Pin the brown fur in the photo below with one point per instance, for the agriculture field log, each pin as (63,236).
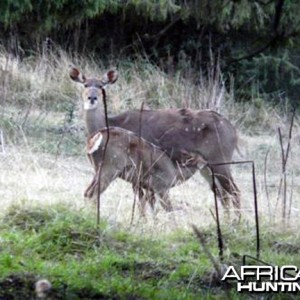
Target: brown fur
(205,133)
(137,161)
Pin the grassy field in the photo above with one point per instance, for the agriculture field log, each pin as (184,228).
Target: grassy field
(48,230)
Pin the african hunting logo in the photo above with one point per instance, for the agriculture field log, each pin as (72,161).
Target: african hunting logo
(260,279)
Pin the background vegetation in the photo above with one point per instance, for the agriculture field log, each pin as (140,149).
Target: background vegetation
(256,41)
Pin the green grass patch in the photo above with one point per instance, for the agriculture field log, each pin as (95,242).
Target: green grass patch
(83,261)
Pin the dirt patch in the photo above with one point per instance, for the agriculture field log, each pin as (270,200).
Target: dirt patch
(19,286)
(22,286)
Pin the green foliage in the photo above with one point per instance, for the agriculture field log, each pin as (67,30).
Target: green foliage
(229,15)
(50,13)
(11,11)
(65,13)
(223,15)
(154,10)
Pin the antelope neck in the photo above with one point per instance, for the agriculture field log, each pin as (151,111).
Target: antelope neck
(95,119)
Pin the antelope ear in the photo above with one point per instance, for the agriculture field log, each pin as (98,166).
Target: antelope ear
(94,143)
(110,77)
(76,75)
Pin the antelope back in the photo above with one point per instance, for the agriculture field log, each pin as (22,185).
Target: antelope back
(204,132)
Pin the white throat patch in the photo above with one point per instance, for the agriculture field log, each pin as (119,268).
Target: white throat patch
(89,106)
(94,143)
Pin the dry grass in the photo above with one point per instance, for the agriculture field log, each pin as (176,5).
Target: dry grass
(44,180)
(36,94)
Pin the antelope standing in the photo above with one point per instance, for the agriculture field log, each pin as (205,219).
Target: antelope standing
(206,133)
(137,161)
